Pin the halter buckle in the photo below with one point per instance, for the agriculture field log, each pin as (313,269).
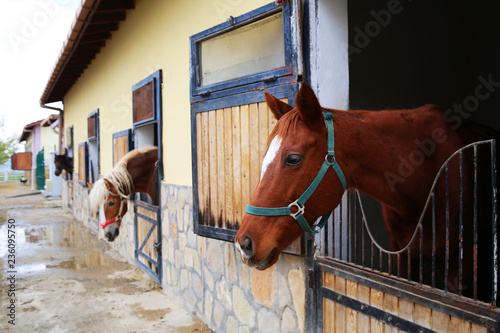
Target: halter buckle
(300,210)
(330,158)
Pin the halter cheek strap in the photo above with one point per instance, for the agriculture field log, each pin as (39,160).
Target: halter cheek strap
(299,204)
(119,216)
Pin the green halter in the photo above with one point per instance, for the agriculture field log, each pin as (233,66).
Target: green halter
(301,201)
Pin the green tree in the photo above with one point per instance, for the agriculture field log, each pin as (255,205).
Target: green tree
(8,146)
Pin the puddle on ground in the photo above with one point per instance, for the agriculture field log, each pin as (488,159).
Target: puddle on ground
(37,243)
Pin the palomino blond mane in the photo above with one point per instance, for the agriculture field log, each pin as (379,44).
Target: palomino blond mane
(119,177)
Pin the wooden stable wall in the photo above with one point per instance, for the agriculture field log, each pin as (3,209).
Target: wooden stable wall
(231,144)
(337,317)
(120,148)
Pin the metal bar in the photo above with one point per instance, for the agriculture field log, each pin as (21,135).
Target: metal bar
(433,198)
(447,248)
(494,212)
(389,265)
(363,240)
(371,254)
(398,265)
(475,231)
(380,260)
(409,263)
(373,312)
(355,216)
(341,233)
(461,225)
(464,308)
(421,263)
(324,235)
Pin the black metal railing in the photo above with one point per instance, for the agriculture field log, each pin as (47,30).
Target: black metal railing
(454,246)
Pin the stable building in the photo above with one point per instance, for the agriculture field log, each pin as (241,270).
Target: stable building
(189,77)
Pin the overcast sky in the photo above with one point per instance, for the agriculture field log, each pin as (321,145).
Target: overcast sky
(32,33)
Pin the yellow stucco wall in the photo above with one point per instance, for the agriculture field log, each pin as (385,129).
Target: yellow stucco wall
(50,141)
(154,36)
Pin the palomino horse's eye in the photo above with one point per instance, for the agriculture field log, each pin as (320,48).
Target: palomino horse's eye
(293,160)
(111,203)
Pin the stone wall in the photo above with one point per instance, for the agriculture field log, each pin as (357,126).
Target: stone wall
(207,277)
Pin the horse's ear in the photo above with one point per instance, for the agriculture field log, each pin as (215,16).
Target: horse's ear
(107,183)
(277,107)
(308,106)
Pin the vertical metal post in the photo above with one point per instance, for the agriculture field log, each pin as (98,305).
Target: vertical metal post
(494,212)
(475,232)
(380,260)
(461,225)
(447,249)
(341,231)
(421,261)
(398,265)
(409,263)
(355,217)
(371,254)
(433,240)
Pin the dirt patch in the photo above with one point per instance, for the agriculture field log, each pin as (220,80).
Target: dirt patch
(67,280)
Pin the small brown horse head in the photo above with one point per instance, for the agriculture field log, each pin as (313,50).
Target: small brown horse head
(115,207)
(297,148)
(111,194)
(62,162)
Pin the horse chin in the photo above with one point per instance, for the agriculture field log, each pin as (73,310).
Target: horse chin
(269,261)
(264,264)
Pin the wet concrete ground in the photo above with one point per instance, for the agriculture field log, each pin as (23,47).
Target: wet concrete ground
(64,279)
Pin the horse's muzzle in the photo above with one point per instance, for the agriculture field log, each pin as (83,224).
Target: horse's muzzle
(110,236)
(248,256)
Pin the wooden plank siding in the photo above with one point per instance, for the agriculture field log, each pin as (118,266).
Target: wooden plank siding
(120,148)
(82,160)
(340,318)
(231,143)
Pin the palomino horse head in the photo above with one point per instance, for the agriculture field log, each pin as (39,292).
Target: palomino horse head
(298,150)
(111,194)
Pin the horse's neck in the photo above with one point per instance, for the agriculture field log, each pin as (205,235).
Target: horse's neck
(374,149)
(141,169)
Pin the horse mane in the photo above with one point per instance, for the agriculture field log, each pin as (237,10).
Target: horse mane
(287,123)
(118,176)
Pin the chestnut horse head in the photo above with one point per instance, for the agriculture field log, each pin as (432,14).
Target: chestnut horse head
(300,164)
(135,172)
(112,193)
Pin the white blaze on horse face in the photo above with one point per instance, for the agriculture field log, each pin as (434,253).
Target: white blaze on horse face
(274,147)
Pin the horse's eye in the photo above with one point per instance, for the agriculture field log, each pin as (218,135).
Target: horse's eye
(293,160)
(111,203)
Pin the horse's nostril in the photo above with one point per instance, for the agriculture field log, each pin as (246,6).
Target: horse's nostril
(117,232)
(247,247)
(109,236)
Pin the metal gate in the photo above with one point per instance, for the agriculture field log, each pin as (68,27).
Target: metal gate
(40,170)
(147,226)
(147,129)
(354,289)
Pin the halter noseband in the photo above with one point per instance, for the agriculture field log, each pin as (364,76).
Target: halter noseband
(122,203)
(301,201)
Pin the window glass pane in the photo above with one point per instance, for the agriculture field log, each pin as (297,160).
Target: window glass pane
(253,48)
